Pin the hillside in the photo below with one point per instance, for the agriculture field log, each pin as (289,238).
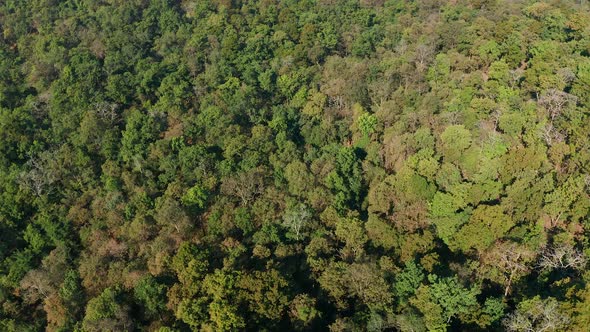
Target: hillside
(314,165)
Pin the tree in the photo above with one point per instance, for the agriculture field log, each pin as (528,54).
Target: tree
(44,282)
(224,313)
(445,209)
(365,282)
(195,196)
(537,315)
(106,312)
(455,140)
(408,281)
(564,202)
(562,256)
(246,186)
(440,69)
(489,51)
(303,310)
(507,262)
(555,102)
(297,219)
(72,295)
(152,296)
(442,300)
(486,225)
(140,130)
(40,176)
(266,295)
(346,179)
(299,178)
(351,232)
(367,123)
(582,82)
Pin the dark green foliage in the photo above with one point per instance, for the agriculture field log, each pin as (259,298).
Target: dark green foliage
(346,179)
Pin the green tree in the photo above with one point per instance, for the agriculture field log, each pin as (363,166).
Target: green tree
(152,296)
(486,225)
(106,312)
(443,300)
(140,131)
(346,179)
(367,123)
(455,140)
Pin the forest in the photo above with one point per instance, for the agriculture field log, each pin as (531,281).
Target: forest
(294,165)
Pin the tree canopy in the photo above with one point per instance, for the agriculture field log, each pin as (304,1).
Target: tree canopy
(266,165)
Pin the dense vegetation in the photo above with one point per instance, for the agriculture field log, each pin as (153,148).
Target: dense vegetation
(229,165)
